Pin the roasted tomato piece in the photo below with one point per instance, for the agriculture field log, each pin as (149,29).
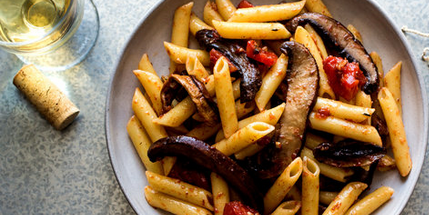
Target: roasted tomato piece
(344,77)
(215,55)
(260,54)
(238,208)
(244,4)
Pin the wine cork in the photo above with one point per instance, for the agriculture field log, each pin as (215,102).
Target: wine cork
(46,97)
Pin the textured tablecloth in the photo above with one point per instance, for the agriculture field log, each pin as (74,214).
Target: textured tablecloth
(43,171)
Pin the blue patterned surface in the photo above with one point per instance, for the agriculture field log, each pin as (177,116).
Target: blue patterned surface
(43,171)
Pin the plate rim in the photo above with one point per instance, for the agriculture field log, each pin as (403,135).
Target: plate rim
(120,60)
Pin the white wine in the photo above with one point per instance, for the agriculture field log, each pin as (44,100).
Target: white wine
(26,20)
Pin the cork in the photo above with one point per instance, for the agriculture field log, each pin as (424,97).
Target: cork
(53,104)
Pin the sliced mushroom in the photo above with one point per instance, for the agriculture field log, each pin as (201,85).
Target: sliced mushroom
(251,79)
(343,40)
(348,153)
(210,158)
(198,93)
(303,83)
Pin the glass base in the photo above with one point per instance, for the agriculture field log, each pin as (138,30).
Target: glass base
(75,49)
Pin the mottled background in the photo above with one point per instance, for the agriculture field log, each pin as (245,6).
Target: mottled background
(43,171)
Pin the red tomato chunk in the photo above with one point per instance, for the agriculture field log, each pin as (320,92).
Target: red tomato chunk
(244,4)
(344,77)
(238,208)
(260,54)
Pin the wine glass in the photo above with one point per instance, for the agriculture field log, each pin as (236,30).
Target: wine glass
(53,35)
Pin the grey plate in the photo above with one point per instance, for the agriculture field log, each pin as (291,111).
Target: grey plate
(379,35)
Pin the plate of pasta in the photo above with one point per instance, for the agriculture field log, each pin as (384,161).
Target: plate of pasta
(260,107)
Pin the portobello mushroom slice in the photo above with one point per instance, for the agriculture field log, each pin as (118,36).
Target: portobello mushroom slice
(251,79)
(198,93)
(209,157)
(337,35)
(303,84)
(348,153)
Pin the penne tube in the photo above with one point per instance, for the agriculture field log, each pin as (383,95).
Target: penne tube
(379,64)
(267,13)
(343,110)
(271,81)
(248,30)
(225,98)
(303,37)
(326,197)
(318,40)
(178,114)
(294,193)
(392,81)
(225,8)
(282,185)
(344,128)
(310,187)
(355,32)
(287,208)
(152,84)
(371,202)
(243,138)
(145,64)
(312,140)
(180,32)
(196,24)
(142,143)
(386,163)
(317,6)
(397,135)
(146,115)
(203,131)
(171,204)
(180,190)
(345,198)
(179,54)
(336,173)
(196,68)
(220,191)
(248,151)
(211,13)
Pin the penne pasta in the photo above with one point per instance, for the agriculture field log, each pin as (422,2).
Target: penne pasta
(267,13)
(203,131)
(180,190)
(211,13)
(326,197)
(336,173)
(303,37)
(318,40)
(317,6)
(225,8)
(142,143)
(271,81)
(145,64)
(146,115)
(345,198)
(312,140)
(196,24)
(171,204)
(178,114)
(196,68)
(180,32)
(344,128)
(179,54)
(287,208)
(220,193)
(243,138)
(310,187)
(225,98)
(379,64)
(343,110)
(248,30)
(397,135)
(152,85)
(392,81)
(371,202)
(282,185)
